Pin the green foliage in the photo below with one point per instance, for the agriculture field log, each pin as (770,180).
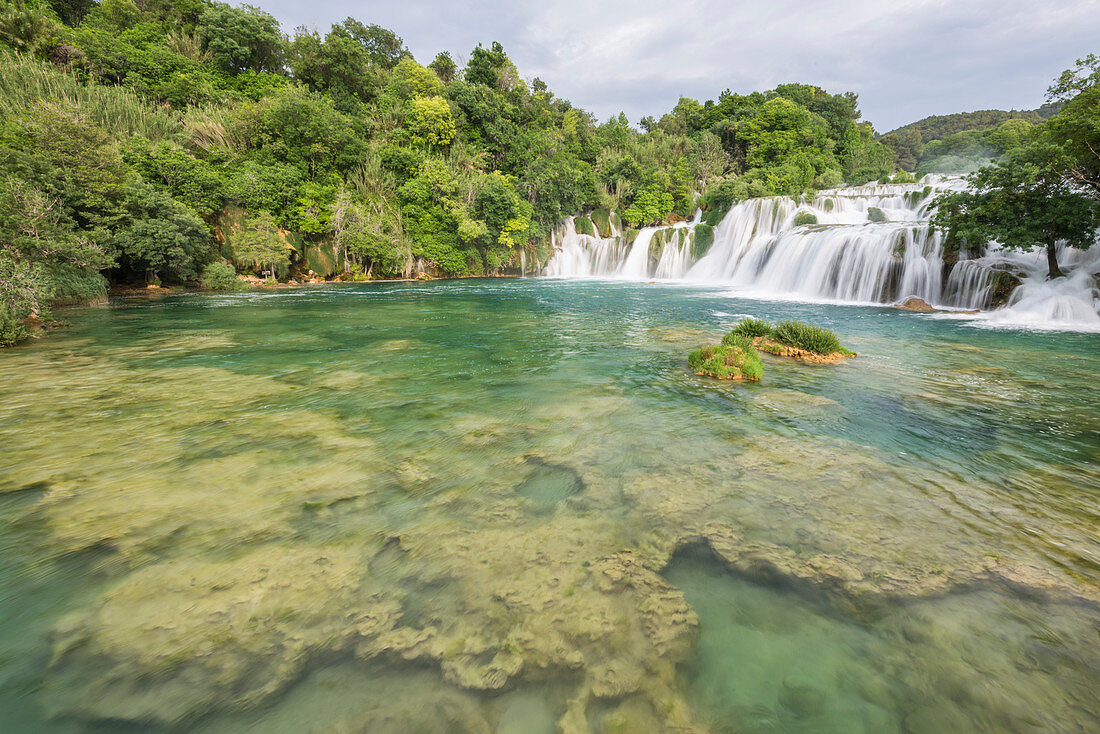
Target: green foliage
(805,336)
(749,328)
(220,276)
(12,328)
(241,39)
(1022,202)
(803,219)
(156,233)
(735,360)
(26,84)
(1076,130)
(584,225)
(430,122)
(259,245)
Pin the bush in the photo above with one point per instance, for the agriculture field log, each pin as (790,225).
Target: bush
(874,214)
(737,360)
(811,338)
(804,218)
(748,328)
(220,276)
(12,328)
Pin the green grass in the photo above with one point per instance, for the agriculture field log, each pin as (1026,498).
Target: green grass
(735,360)
(750,328)
(806,336)
(804,218)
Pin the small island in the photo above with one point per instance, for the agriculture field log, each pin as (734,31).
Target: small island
(737,358)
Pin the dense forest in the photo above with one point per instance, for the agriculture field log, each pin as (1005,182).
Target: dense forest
(962,142)
(178,140)
(187,141)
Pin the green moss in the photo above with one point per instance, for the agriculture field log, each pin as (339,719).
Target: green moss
(736,360)
(601,220)
(321,259)
(704,238)
(804,218)
(874,214)
(584,225)
(811,338)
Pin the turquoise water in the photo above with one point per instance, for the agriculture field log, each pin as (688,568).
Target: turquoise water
(507,505)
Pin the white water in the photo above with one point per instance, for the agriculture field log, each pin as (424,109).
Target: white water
(845,257)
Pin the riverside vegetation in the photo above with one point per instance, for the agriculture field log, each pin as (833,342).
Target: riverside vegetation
(149,142)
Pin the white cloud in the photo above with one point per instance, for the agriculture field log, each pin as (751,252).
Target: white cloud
(906,59)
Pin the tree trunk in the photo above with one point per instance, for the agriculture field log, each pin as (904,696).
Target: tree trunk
(1052,263)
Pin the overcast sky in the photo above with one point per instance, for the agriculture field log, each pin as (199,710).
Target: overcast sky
(906,59)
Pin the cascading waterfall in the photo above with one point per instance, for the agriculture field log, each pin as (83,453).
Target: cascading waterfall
(866,244)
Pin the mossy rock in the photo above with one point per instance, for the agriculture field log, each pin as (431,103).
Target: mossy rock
(321,259)
(704,238)
(874,214)
(601,220)
(735,360)
(828,205)
(1001,288)
(803,219)
(584,225)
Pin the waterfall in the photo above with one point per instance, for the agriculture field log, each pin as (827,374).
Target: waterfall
(636,265)
(867,244)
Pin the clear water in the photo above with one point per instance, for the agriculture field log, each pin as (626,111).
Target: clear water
(507,506)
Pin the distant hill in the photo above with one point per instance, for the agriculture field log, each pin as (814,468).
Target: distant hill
(938,127)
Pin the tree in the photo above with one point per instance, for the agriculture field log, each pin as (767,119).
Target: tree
(157,234)
(36,245)
(1084,75)
(240,39)
(1022,202)
(1077,129)
(430,122)
(259,243)
(444,67)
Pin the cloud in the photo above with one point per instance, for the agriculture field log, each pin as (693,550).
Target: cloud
(906,59)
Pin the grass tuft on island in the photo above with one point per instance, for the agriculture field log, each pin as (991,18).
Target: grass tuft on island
(795,339)
(734,359)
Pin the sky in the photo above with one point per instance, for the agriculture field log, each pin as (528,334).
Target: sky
(906,59)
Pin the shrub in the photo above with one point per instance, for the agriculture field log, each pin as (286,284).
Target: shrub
(874,214)
(811,338)
(804,218)
(748,328)
(220,276)
(584,225)
(12,328)
(737,360)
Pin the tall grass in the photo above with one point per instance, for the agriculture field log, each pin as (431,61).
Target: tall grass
(26,82)
(811,338)
(750,328)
